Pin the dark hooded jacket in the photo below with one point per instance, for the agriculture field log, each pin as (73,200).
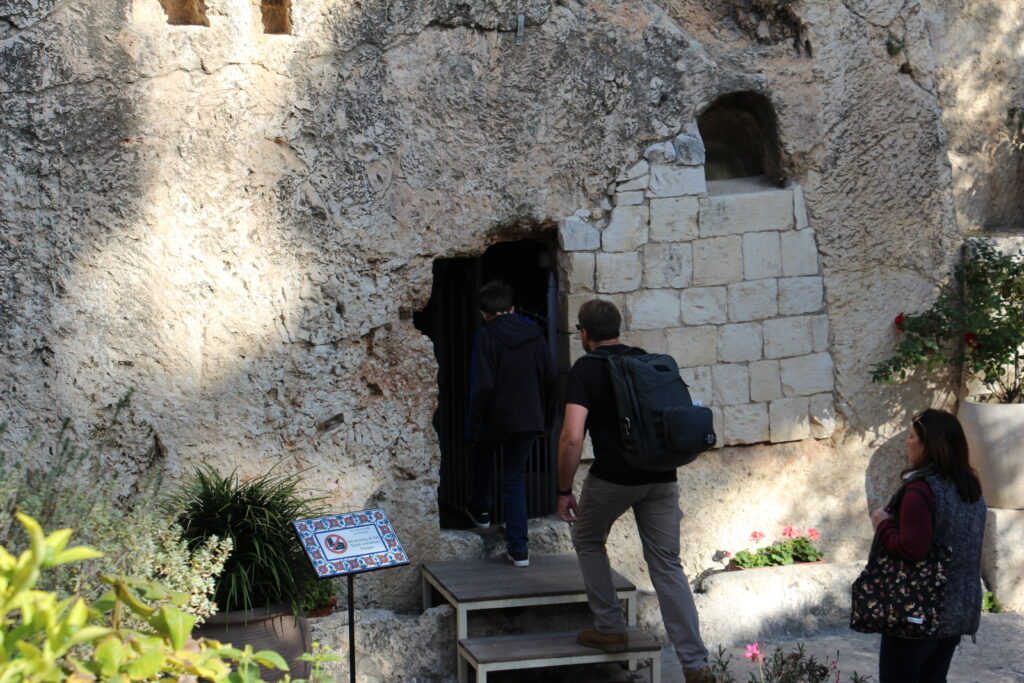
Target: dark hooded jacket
(512,379)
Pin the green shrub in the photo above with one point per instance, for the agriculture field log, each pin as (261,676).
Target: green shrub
(268,565)
(61,483)
(976,323)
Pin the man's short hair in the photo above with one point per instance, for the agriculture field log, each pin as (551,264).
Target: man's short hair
(601,319)
(495,297)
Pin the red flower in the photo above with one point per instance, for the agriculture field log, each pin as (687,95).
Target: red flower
(813,534)
(790,532)
(728,554)
(756,536)
(898,322)
(969,340)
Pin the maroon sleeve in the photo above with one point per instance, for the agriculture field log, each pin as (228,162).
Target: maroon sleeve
(911,536)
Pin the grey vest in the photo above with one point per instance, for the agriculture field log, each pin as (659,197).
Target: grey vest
(961,526)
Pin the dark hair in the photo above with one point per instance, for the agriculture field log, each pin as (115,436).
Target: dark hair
(495,297)
(945,449)
(600,319)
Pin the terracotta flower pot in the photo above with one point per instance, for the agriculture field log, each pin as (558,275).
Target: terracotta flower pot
(274,628)
(323,610)
(995,436)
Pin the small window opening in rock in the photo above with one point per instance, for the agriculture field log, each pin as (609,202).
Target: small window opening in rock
(451,319)
(185,12)
(741,138)
(276,16)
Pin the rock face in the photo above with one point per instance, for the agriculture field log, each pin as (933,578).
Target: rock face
(240,226)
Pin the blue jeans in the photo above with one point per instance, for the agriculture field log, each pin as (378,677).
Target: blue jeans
(902,660)
(515,451)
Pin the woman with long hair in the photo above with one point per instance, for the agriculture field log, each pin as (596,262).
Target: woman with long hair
(939,504)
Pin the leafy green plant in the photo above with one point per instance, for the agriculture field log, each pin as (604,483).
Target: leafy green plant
(268,565)
(318,592)
(49,639)
(976,323)
(989,603)
(797,547)
(57,480)
(795,666)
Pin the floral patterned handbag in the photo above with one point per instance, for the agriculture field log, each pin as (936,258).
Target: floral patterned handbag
(898,597)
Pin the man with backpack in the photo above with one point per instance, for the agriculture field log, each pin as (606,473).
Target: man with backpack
(512,378)
(595,403)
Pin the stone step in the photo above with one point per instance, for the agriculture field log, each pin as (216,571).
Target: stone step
(535,650)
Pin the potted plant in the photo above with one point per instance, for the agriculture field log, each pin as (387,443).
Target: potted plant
(264,582)
(977,325)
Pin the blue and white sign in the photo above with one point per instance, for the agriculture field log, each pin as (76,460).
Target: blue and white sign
(350,543)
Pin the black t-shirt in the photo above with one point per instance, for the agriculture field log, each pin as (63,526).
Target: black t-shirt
(590,387)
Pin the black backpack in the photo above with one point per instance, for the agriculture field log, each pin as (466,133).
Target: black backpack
(661,429)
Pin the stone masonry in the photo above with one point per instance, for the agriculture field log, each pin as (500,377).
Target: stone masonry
(724,276)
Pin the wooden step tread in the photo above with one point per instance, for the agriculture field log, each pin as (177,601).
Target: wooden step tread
(480,580)
(545,646)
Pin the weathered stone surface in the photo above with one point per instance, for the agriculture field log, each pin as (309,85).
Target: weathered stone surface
(1002,559)
(789,419)
(689,150)
(753,300)
(747,423)
(806,375)
(765,383)
(733,214)
(667,265)
(731,383)
(823,416)
(674,219)
(624,198)
(636,184)
(676,181)
(739,342)
(651,309)
(717,260)
(799,253)
(637,170)
(579,267)
(800,295)
(618,272)
(243,226)
(799,208)
(692,346)
(702,305)
(819,333)
(761,255)
(626,230)
(699,381)
(660,153)
(575,234)
(787,337)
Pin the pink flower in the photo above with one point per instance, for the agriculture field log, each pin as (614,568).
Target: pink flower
(813,534)
(754,653)
(791,532)
(756,536)
(728,554)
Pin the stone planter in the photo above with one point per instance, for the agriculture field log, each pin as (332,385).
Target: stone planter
(995,435)
(323,610)
(274,628)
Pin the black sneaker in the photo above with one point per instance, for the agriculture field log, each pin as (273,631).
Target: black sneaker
(481,520)
(519,558)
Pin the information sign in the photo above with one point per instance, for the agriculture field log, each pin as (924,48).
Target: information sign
(350,543)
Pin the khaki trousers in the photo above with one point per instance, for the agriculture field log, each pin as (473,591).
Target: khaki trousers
(656,509)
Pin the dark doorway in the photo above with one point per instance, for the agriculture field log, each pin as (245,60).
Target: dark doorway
(450,320)
(741,138)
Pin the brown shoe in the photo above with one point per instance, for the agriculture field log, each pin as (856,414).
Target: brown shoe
(610,642)
(703,675)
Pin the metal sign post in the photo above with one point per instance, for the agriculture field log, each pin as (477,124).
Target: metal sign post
(348,544)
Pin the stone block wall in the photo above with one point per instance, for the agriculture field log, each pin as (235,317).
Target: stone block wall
(725,277)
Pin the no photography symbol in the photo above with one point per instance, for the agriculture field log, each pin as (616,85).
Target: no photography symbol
(335,543)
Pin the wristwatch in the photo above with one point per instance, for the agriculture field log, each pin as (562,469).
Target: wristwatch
(566,492)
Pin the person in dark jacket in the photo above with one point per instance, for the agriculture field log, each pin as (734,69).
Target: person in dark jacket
(940,504)
(512,378)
